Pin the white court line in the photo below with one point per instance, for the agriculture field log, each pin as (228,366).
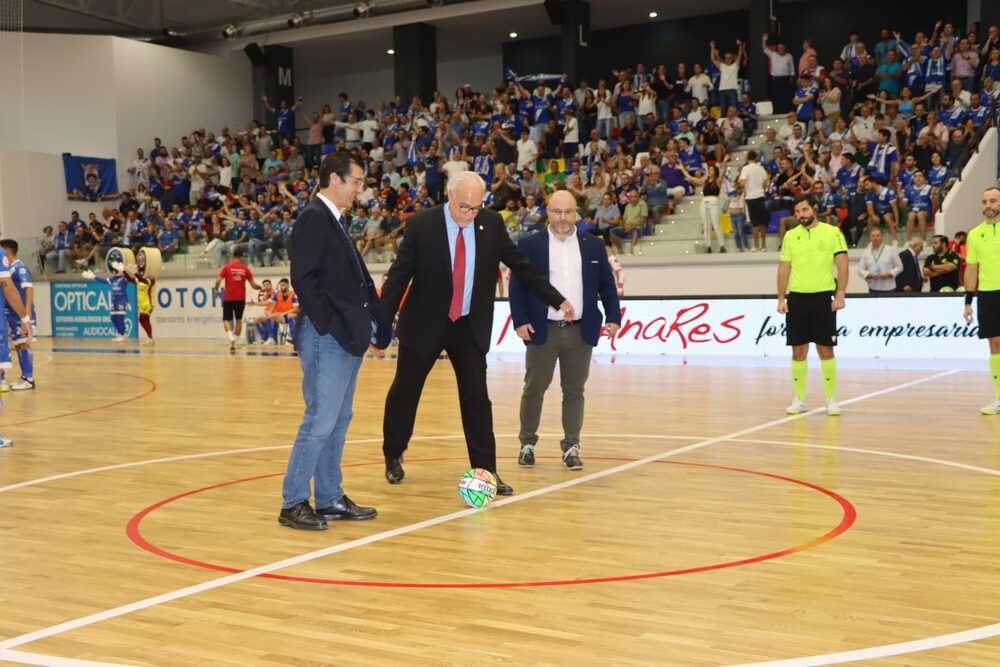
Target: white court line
(926,644)
(428,523)
(250,450)
(886,650)
(51,660)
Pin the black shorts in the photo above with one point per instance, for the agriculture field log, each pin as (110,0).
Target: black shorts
(233,310)
(988,313)
(758,212)
(810,319)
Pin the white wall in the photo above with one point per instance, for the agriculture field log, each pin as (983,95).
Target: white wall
(101,97)
(962,209)
(167,93)
(60,97)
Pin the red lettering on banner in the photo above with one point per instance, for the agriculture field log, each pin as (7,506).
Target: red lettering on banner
(729,325)
(505,328)
(688,324)
(701,330)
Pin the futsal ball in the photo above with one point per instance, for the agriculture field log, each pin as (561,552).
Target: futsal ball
(477,487)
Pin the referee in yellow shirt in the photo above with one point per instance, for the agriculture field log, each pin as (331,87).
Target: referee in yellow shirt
(982,279)
(805,272)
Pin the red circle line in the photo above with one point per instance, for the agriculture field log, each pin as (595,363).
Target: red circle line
(847,520)
(150,390)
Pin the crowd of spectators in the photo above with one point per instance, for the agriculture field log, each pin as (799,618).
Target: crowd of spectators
(877,136)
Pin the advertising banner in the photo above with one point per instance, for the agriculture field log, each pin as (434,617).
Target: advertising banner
(902,328)
(81,309)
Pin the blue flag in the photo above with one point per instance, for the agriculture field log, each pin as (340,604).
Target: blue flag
(90,178)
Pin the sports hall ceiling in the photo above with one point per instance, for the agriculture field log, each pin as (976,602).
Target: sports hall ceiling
(203,20)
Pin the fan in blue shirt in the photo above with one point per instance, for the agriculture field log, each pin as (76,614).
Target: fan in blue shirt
(805,100)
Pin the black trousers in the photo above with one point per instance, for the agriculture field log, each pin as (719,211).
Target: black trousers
(782,92)
(412,368)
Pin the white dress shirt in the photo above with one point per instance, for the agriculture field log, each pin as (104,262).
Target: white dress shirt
(330,205)
(566,272)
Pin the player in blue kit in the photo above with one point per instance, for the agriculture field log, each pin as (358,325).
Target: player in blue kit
(119,296)
(9,296)
(21,335)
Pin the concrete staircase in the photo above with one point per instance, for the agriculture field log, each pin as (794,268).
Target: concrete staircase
(681,233)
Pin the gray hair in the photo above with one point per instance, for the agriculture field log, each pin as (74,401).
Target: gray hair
(465,177)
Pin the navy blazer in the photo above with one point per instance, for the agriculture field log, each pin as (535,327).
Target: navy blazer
(332,282)
(598,280)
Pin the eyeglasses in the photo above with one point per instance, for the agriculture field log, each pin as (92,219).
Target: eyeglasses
(355,179)
(466,209)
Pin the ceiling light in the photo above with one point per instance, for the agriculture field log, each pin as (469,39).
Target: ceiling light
(653,15)
(362,9)
(170,32)
(230,31)
(296,20)
(391,52)
(513,35)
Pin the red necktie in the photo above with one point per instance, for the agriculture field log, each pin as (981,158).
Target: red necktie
(458,279)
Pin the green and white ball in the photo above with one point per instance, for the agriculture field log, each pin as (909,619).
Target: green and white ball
(477,487)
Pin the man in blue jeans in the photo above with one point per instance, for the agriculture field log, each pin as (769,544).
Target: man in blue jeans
(340,315)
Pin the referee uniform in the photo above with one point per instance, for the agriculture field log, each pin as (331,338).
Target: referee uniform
(811,253)
(983,251)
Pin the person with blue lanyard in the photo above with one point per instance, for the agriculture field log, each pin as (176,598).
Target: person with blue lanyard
(284,117)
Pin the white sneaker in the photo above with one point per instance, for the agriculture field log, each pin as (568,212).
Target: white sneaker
(796,408)
(118,339)
(269,341)
(991,409)
(832,408)
(23,384)
(148,342)
(6,442)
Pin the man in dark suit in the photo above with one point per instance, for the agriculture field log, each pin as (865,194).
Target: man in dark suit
(912,278)
(577,265)
(449,260)
(339,316)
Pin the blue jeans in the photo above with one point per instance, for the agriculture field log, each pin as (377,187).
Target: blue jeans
(662,110)
(727,98)
(739,221)
(329,375)
(604,128)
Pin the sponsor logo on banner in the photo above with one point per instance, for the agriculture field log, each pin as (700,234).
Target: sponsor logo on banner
(901,328)
(187,308)
(82,309)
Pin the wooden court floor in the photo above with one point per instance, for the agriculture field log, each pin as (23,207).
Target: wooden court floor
(138,521)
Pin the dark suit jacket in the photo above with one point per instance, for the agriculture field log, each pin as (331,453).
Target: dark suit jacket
(911,274)
(334,287)
(598,280)
(424,264)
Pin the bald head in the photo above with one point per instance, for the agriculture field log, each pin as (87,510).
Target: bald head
(466,191)
(562,199)
(561,214)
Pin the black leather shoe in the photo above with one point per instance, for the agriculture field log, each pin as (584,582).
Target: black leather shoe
(301,517)
(394,470)
(503,488)
(345,508)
